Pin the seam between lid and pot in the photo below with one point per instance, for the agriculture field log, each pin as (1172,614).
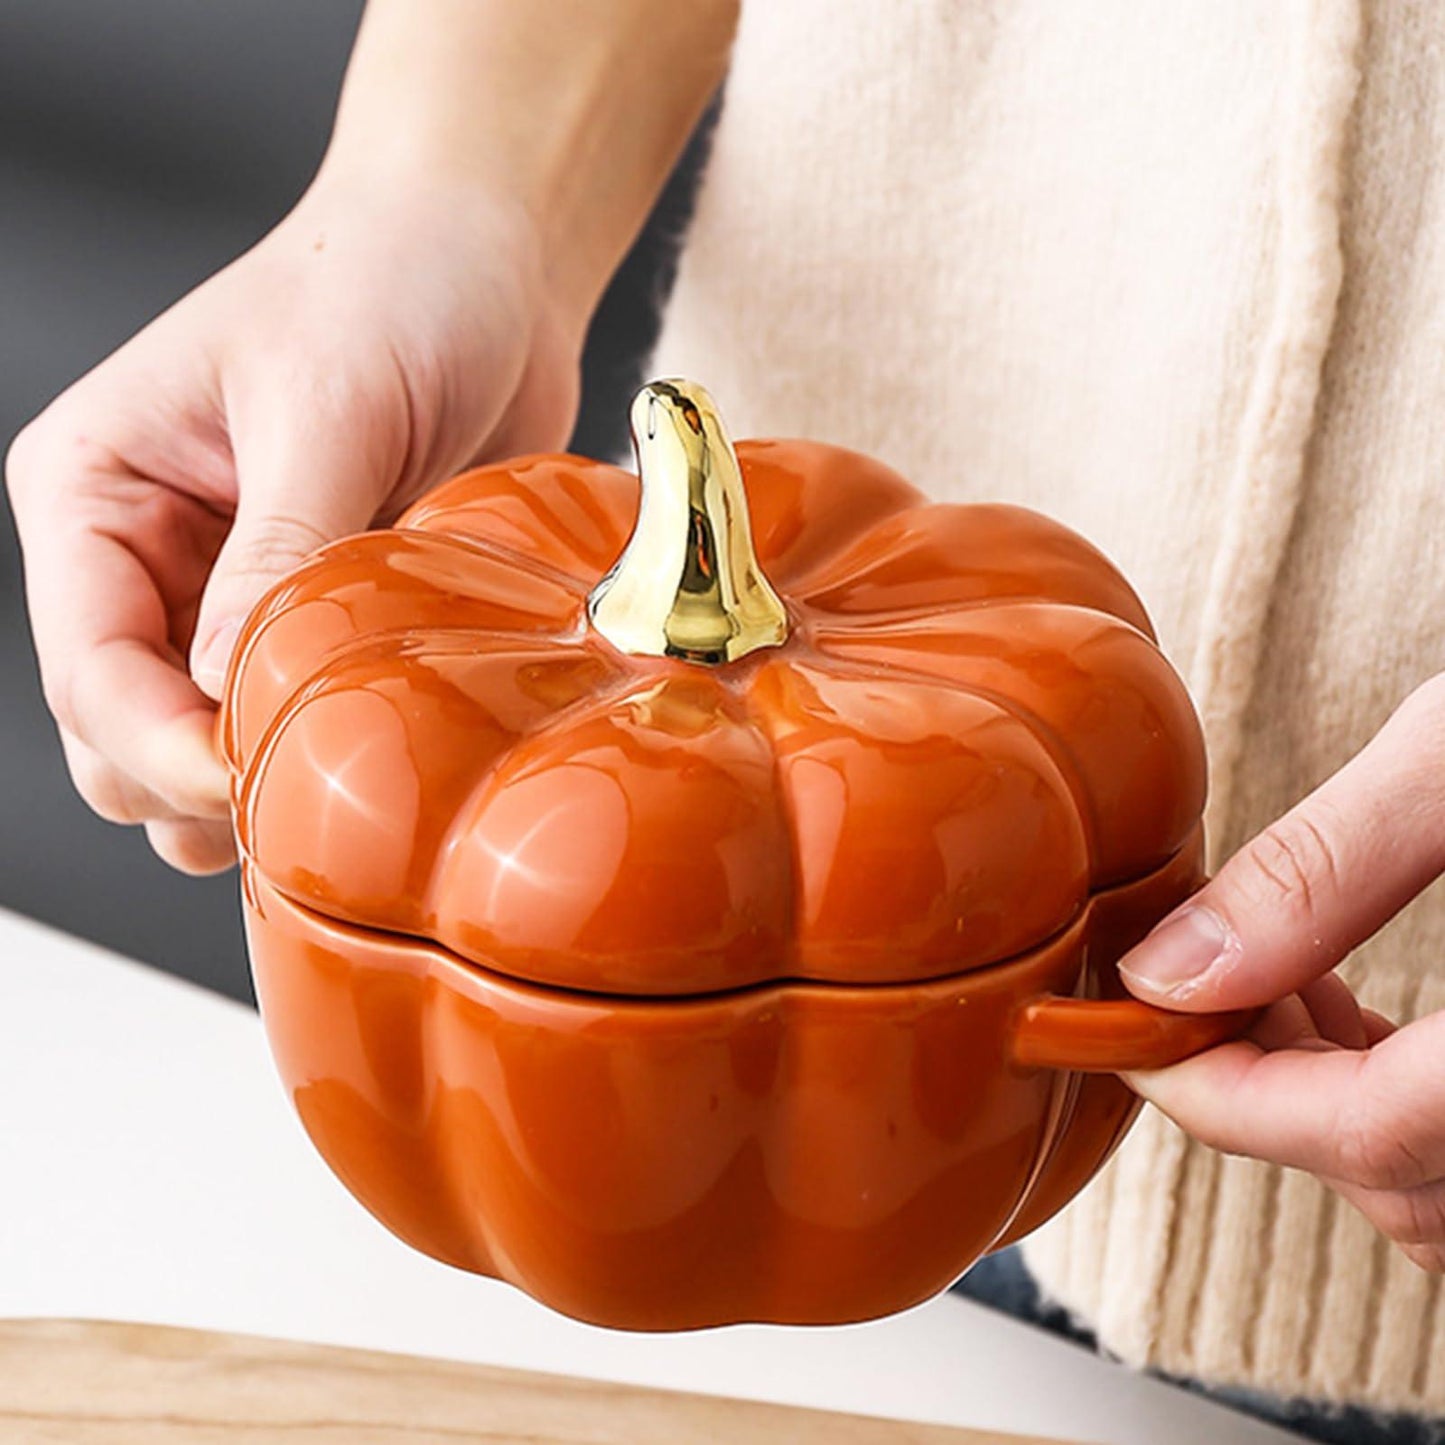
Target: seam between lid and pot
(432,947)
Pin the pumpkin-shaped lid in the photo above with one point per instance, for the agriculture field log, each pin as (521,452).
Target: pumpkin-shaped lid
(769,716)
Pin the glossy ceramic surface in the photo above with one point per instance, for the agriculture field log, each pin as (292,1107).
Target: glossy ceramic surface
(800,1153)
(682,992)
(968,731)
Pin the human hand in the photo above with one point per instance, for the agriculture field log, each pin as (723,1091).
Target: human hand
(1320,1083)
(379,339)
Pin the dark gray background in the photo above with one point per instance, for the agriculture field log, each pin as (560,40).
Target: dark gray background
(142,146)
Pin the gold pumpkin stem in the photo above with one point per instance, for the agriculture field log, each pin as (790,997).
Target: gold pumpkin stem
(688,583)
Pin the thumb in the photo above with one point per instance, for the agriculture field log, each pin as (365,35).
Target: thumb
(1296,899)
(300,484)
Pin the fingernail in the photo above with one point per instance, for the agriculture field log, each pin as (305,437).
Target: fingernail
(209,670)
(1175,958)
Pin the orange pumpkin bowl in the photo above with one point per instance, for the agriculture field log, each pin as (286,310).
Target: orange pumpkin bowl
(686,951)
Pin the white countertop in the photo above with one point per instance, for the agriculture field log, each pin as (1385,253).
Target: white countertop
(152,1170)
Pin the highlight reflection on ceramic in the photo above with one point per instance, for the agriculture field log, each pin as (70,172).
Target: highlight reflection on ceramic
(675,992)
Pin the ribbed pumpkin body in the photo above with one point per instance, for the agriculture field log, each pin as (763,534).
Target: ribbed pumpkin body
(682,994)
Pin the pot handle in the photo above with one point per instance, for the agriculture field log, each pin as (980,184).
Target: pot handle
(1105,1036)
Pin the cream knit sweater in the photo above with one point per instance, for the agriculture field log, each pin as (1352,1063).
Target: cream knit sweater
(1176,275)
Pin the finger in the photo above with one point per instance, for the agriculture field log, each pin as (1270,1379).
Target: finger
(112,794)
(1284,1024)
(1429,1257)
(1367,1118)
(1294,901)
(1408,1216)
(143,713)
(1335,1012)
(309,471)
(1377,1026)
(191,846)
(102,639)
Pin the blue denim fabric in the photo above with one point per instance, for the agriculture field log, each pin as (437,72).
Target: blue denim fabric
(1002,1282)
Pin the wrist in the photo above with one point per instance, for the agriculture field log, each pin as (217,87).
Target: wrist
(572,114)
(445,208)
(476,203)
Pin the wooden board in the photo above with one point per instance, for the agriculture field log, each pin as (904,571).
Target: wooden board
(113,1384)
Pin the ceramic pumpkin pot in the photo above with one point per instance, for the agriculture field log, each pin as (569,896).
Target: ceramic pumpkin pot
(719,924)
